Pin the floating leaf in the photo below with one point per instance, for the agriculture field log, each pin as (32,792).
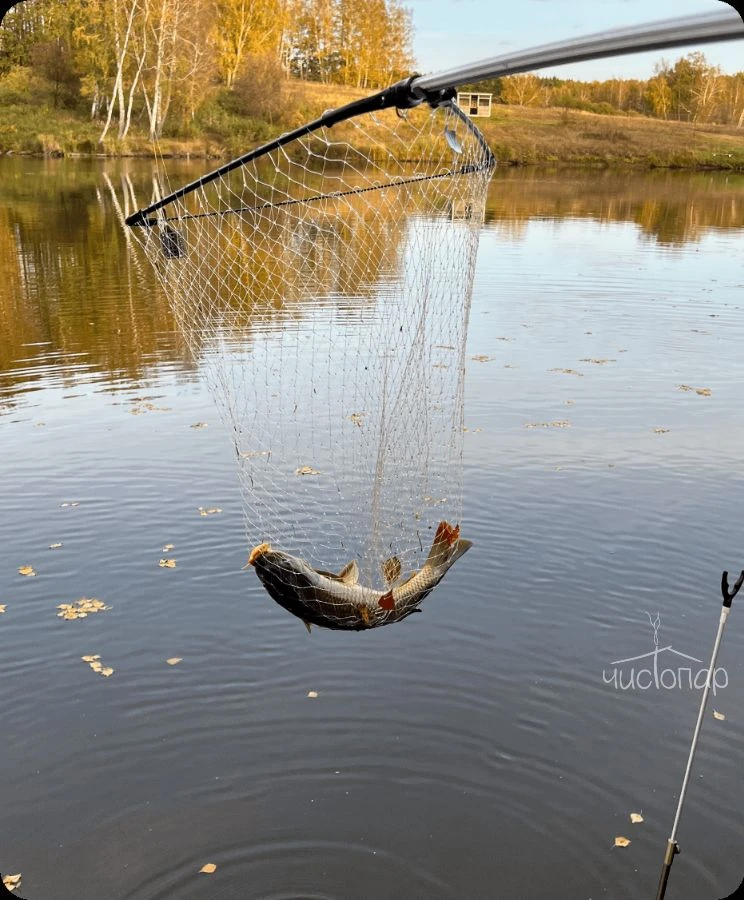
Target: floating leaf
(174,660)
(719,716)
(481,357)
(2,607)
(55,546)
(703,392)
(621,841)
(26,570)
(97,666)
(139,408)
(598,362)
(306,470)
(357,419)
(567,372)
(69,503)
(559,423)
(81,608)
(635,818)
(168,548)
(661,430)
(212,511)
(199,425)
(208,868)
(167,564)
(12,882)
(313,695)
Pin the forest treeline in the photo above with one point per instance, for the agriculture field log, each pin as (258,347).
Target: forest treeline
(157,61)
(190,68)
(689,90)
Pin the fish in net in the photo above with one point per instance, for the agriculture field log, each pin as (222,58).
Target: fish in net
(324,287)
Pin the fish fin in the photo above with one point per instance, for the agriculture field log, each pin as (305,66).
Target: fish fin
(441,548)
(308,626)
(387,601)
(391,569)
(350,573)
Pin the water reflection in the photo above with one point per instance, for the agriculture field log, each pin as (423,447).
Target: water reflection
(73,294)
(670,208)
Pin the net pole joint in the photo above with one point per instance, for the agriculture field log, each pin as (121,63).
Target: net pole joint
(405,94)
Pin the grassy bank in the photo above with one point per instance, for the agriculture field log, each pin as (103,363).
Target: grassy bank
(29,123)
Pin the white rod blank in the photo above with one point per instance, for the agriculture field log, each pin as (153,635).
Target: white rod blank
(699,29)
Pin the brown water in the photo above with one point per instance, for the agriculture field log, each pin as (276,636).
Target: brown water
(475,751)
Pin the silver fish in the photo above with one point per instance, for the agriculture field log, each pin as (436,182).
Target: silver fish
(339,601)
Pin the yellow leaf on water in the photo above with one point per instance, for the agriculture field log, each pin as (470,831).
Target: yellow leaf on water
(12,882)
(719,716)
(306,470)
(167,564)
(26,570)
(312,694)
(174,660)
(90,659)
(96,666)
(167,548)
(621,841)
(635,818)
(81,609)
(209,512)
(106,671)
(199,425)
(208,868)
(55,546)
(2,607)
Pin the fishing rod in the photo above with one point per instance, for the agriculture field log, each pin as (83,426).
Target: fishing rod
(672,847)
(440,87)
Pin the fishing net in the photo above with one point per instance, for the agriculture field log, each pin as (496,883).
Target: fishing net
(324,287)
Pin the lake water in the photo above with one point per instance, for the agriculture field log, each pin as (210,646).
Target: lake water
(474,751)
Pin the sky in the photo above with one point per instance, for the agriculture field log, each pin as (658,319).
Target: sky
(451,32)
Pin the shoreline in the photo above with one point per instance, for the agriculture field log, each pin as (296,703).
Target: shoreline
(517,136)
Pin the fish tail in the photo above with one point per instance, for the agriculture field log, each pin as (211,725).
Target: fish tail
(447,546)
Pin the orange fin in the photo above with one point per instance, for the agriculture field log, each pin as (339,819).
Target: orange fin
(387,601)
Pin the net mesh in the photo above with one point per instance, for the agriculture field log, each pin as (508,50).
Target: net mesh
(325,290)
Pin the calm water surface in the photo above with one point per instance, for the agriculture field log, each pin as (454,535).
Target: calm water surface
(472,752)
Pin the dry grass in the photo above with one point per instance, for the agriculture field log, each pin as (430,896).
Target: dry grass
(518,136)
(529,136)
